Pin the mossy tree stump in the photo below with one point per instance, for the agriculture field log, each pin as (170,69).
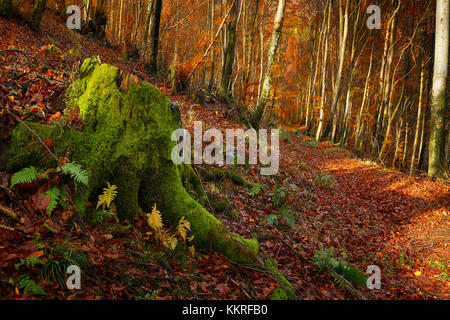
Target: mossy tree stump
(126,140)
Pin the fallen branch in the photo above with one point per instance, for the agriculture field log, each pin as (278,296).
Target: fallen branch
(18,51)
(355,292)
(10,214)
(2,226)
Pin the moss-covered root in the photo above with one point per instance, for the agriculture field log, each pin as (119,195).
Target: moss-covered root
(285,291)
(164,188)
(219,174)
(209,232)
(192,183)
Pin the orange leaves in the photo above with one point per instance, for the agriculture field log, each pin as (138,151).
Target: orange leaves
(37,254)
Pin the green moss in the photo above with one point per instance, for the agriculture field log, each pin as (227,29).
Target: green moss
(220,174)
(279,294)
(171,197)
(118,230)
(238,180)
(26,150)
(286,291)
(206,175)
(249,243)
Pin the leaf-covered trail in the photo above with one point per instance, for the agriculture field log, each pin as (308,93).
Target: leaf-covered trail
(383,217)
(369,216)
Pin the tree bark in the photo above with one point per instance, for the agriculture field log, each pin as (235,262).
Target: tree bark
(153,63)
(340,74)
(267,85)
(436,164)
(229,48)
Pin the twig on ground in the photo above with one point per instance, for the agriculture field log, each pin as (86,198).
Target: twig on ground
(355,292)
(18,51)
(243,290)
(11,214)
(2,226)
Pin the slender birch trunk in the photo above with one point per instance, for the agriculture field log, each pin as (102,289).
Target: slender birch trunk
(419,115)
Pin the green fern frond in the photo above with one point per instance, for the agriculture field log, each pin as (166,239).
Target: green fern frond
(352,274)
(288,216)
(25,175)
(29,285)
(28,262)
(325,261)
(76,172)
(107,197)
(54,195)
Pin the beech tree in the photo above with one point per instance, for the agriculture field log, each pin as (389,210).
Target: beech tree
(438,103)
(229,48)
(267,85)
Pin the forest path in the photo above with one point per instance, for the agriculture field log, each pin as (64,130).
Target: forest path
(379,216)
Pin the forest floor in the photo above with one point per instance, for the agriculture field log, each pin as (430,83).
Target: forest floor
(366,214)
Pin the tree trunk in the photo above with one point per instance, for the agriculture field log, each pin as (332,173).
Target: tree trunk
(267,85)
(324,71)
(339,75)
(229,48)
(419,116)
(153,64)
(436,164)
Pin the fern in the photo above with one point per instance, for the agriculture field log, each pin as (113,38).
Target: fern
(280,195)
(352,274)
(325,261)
(101,215)
(54,196)
(29,285)
(107,197)
(183,227)
(272,219)
(256,189)
(28,262)
(76,172)
(167,238)
(288,216)
(25,175)
(154,219)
